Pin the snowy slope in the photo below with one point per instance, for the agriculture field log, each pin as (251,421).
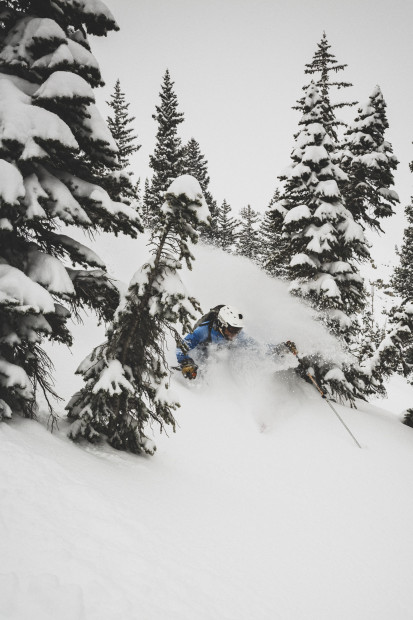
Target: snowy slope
(259,507)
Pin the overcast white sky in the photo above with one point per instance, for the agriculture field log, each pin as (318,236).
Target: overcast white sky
(238,67)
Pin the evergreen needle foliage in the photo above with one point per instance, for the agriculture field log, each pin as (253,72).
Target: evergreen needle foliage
(402,280)
(248,242)
(322,67)
(167,161)
(273,255)
(196,165)
(227,228)
(120,125)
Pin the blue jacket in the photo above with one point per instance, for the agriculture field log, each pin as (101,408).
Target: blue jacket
(200,337)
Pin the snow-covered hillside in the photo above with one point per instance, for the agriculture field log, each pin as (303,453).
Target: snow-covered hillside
(259,507)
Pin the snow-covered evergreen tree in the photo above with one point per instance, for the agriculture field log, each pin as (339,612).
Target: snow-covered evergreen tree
(227,226)
(408,417)
(322,66)
(58,165)
(127,377)
(196,165)
(167,161)
(395,352)
(324,241)
(273,253)
(367,336)
(322,69)
(368,160)
(248,242)
(402,280)
(120,125)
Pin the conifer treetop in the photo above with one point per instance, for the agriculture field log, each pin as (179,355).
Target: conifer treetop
(227,226)
(248,242)
(119,125)
(168,118)
(195,164)
(167,161)
(322,65)
(368,159)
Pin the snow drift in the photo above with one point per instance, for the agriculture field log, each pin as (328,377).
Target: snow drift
(260,506)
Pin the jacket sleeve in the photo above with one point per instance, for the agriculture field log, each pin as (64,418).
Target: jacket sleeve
(192,340)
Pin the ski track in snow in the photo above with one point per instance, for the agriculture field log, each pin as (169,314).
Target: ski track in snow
(259,507)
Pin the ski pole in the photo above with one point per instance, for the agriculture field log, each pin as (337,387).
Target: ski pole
(293,349)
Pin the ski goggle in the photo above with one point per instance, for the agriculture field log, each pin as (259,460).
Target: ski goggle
(232,330)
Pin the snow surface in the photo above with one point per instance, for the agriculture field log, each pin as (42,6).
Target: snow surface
(259,507)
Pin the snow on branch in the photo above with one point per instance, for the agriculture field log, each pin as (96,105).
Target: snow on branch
(96,16)
(79,252)
(62,203)
(20,121)
(11,183)
(27,33)
(64,85)
(17,288)
(186,191)
(50,273)
(13,376)
(83,189)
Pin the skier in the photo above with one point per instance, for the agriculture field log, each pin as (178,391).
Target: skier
(221,324)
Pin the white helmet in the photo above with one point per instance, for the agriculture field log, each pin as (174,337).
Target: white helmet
(228,316)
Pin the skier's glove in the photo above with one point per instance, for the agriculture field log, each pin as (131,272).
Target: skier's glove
(291,346)
(189,369)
